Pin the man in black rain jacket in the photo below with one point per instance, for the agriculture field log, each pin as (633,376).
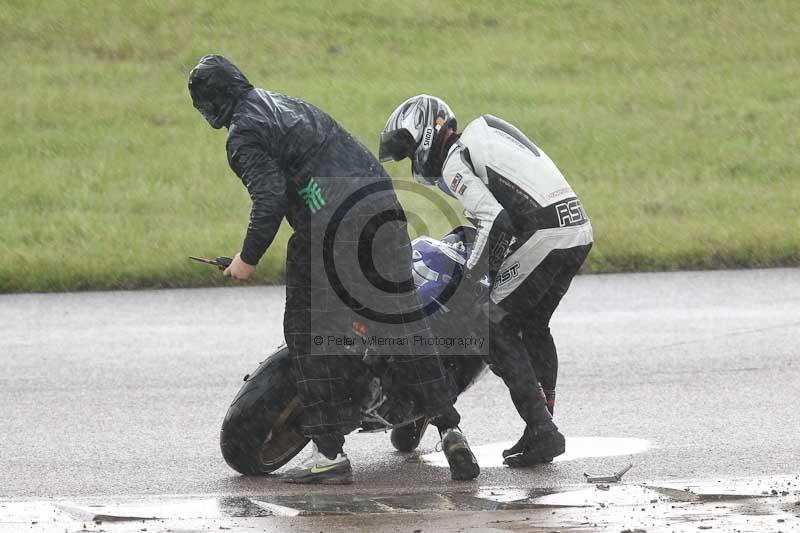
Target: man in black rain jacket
(298,163)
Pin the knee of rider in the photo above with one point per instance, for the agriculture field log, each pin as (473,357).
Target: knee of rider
(494,314)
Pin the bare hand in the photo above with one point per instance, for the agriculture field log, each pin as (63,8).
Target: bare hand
(239,270)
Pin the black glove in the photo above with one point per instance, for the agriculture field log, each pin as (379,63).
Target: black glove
(476,289)
(464,293)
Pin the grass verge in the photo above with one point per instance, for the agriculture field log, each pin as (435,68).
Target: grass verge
(675,122)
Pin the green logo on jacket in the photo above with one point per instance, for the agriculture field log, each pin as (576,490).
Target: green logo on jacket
(312,196)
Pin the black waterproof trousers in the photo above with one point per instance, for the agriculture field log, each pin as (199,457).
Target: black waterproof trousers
(351,272)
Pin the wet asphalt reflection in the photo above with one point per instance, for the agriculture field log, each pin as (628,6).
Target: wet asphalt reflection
(119,395)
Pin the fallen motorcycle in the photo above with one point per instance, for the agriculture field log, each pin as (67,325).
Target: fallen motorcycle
(260,432)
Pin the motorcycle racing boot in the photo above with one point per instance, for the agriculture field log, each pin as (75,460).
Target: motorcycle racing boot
(519,447)
(535,449)
(319,469)
(407,438)
(463,465)
(541,441)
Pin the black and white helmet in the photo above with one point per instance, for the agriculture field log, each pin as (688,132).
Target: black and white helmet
(416,129)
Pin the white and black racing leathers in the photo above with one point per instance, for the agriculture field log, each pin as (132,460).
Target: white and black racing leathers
(533,236)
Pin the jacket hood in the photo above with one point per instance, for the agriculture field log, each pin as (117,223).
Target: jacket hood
(216,85)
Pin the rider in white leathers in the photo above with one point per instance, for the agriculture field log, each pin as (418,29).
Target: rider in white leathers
(533,236)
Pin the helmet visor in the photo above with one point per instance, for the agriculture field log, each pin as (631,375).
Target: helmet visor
(396,145)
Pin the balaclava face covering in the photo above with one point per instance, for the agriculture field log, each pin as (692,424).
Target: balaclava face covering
(216,85)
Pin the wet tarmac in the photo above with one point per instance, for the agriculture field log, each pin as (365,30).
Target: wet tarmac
(116,397)
(735,505)
(490,455)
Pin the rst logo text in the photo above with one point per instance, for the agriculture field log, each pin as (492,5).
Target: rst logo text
(570,213)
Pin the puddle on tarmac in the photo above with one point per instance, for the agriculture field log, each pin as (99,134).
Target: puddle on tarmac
(148,510)
(748,505)
(490,455)
(591,496)
(28,512)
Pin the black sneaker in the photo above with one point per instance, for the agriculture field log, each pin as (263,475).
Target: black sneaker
(406,438)
(536,450)
(463,465)
(321,470)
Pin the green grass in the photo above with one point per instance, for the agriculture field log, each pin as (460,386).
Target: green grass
(676,122)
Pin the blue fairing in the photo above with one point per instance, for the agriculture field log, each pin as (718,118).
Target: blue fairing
(444,188)
(434,265)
